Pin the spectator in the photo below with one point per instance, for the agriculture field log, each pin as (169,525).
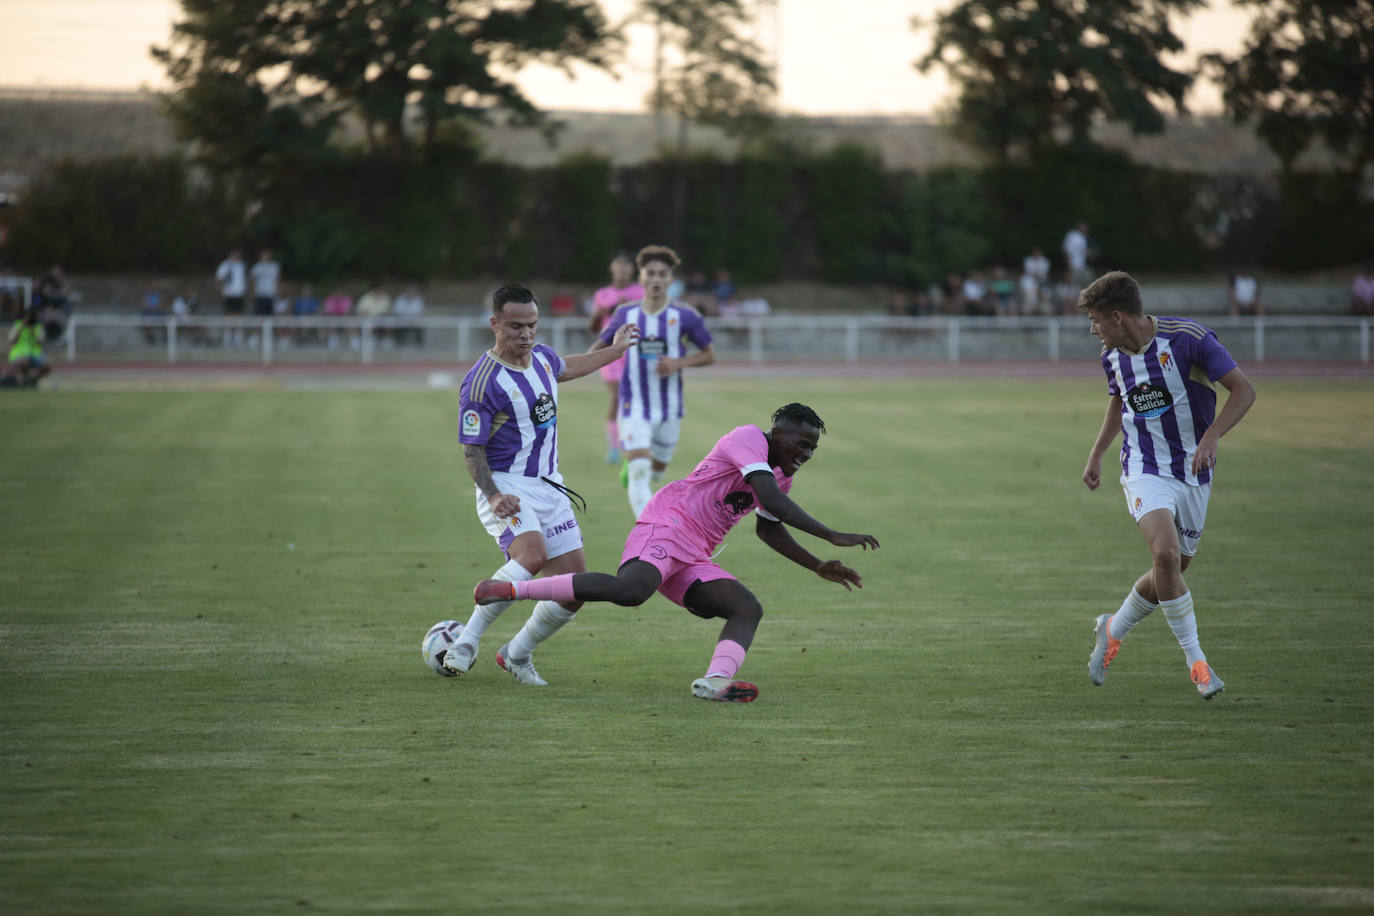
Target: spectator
(266,276)
(976,295)
(898,304)
(1078,251)
(184,306)
(307,306)
(1036,290)
(1033,295)
(725,290)
(152,314)
(1036,265)
(754,307)
(1003,290)
(281,309)
(409,304)
(55,293)
(1243,294)
(27,363)
(375,303)
(700,294)
(233,285)
(1362,291)
(952,294)
(337,304)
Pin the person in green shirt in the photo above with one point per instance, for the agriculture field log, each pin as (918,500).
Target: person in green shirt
(27,363)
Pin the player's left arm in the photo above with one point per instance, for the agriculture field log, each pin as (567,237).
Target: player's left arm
(776,536)
(580,364)
(779,505)
(1240,397)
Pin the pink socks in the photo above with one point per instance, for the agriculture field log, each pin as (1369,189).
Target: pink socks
(554,588)
(725,663)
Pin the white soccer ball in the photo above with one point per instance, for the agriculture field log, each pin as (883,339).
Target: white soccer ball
(436,642)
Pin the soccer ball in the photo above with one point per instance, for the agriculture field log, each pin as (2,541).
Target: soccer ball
(436,642)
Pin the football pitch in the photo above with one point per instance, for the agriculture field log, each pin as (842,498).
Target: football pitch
(211,606)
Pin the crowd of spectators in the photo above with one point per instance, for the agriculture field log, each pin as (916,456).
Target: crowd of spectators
(301,317)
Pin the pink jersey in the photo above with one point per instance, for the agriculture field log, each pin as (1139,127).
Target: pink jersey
(714,497)
(609,298)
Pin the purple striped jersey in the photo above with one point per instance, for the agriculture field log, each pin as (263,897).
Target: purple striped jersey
(513,412)
(663,334)
(1167,398)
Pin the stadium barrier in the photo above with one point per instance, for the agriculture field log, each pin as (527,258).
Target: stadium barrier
(777,338)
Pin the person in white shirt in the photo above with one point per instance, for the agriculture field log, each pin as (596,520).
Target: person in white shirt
(409,304)
(266,275)
(233,284)
(1243,297)
(1076,255)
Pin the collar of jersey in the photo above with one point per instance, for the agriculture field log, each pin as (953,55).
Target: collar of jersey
(512,366)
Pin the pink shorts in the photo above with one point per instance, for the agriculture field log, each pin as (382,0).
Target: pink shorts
(614,371)
(658,546)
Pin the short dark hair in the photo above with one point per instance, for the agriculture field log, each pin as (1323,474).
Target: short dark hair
(511,292)
(1112,292)
(657,253)
(795,414)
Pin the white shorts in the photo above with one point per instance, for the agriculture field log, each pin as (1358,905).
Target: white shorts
(659,438)
(1186,503)
(543,507)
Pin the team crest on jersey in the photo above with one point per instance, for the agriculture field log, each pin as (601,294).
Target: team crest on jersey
(739,501)
(1149,400)
(1166,359)
(1137,504)
(472,423)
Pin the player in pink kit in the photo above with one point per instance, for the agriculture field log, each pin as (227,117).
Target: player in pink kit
(605,301)
(669,549)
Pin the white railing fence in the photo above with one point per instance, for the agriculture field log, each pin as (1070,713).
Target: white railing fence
(771,339)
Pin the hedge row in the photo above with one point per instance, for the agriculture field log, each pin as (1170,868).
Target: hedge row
(837,216)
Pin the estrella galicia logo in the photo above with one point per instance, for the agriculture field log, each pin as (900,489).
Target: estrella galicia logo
(1148,400)
(652,348)
(740,501)
(544,412)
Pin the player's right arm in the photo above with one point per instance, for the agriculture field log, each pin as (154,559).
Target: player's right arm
(1111,425)
(503,505)
(781,507)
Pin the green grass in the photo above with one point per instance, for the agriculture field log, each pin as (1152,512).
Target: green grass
(213,701)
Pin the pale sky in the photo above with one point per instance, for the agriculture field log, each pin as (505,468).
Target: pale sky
(834,56)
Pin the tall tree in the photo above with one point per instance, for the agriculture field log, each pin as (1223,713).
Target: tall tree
(1033,74)
(1306,72)
(251,76)
(708,71)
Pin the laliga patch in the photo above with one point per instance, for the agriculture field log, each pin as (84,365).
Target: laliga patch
(472,423)
(544,412)
(1148,400)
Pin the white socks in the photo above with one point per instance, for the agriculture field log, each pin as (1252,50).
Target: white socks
(638,474)
(547,619)
(1179,613)
(1133,610)
(484,615)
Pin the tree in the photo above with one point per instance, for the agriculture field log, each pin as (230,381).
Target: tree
(1306,72)
(257,76)
(706,72)
(1031,71)
(717,76)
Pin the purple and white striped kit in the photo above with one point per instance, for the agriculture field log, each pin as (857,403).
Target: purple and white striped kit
(1167,397)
